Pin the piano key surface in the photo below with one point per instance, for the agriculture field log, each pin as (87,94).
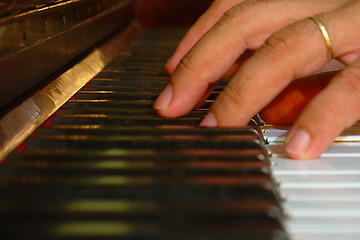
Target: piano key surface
(322,195)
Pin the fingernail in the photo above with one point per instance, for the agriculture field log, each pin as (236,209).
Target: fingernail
(350,58)
(163,101)
(298,142)
(209,121)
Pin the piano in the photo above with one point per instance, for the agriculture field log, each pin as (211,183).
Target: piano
(84,155)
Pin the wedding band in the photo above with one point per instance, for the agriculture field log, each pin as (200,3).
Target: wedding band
(325,34)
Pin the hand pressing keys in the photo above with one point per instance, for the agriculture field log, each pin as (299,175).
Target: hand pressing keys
(290,39)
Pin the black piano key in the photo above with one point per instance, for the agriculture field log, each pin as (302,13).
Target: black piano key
(121,111)
(125,62)
(119,96)
(130,81)
(162,214)
(120,88)
(143,154)
(136,67)
(157,188)
(133,82)
(103,119)
(137,168)
(143,210)
(131,142)
(122,96)
(124,73)
(109,230)
(140,57)
(110,104)
(145,130)
(109,87)
(120,104)
(111,111)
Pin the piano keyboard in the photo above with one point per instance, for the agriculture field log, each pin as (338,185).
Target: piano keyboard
(105,166)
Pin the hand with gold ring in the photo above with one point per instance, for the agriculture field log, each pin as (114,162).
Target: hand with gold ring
(291,39)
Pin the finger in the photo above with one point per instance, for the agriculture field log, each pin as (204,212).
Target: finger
(208,92)
(206,62)
(333,110)
(282,58)
(267,73)
(236,66)
(289,104)
(204,23)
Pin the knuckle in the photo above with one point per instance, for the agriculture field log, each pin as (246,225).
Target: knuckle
(240,11)
(280,43)
(237,13)
(186,63)
(232,94)
(232,16)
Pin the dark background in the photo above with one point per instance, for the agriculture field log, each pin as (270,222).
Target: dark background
(170,12)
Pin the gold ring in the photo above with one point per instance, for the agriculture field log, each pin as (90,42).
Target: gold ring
(325,34)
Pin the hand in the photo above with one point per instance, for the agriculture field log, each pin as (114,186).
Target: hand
(287,46)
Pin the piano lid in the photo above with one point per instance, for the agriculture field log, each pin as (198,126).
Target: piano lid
(40,37)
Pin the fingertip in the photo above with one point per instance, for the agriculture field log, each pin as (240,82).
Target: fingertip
(349,58)
(164,99)
(305,144)
(209,121)
(298,143)
(170,106)
(170,66)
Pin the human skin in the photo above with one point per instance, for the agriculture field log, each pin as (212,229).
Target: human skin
(287,46)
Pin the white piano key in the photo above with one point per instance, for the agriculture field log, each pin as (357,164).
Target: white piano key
(320,185)
(336,150)
(324,209)
(280,136)
(339,150)
(315,193)
(322,212)
(325,236)
(324,165)
(344,199)
(323,220)
(325,225)
(311,230)
(321,171)
(348,138)
(275,128)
